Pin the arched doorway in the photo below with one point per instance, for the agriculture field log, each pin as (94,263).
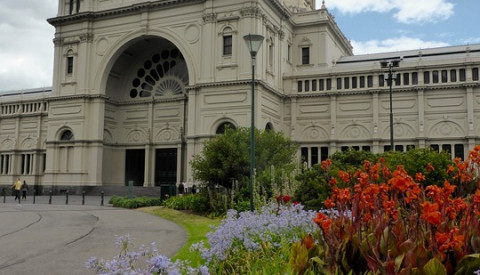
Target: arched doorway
(146,114)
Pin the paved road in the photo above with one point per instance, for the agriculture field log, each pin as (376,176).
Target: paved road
(55,238)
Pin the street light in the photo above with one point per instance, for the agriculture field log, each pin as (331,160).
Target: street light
(390,77)
(253,41)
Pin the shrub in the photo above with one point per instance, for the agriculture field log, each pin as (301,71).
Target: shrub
(136,202)
(194,202)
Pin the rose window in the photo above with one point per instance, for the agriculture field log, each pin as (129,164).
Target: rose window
(164,74)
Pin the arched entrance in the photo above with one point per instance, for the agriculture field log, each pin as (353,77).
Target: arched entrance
(145,114)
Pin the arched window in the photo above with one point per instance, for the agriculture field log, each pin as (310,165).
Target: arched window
(227,41)
(67,135)
(269,126)
(222,127)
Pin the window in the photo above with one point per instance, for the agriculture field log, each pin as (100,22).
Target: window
(270,53)
(304,154)
(462,75)
(289,53)
(329,84)
(406,79)
(447,148)
(435,147)
(321,84)
(314,85)
(224,126)
(339,83)
(346,83)
(381,80)
(435,76)
(415,78)
(5,164)
(366,148)
(398,79)
(459,151)
(78,6)
(313,155)
(386,148)
(426,77)
(299,88)
(370,81)
(69,64)
(453,75)
(67,135)
(71,7)
(27,164)
(227,45)
(354,82)
(362,82)
(323,153)
(475,74)
(344,148)
(444,76)
(307,85)
(399,148)
(306,55)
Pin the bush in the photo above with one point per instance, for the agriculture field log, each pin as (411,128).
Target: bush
(137,202)
(194,202)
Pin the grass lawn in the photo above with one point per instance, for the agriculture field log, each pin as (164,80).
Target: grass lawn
(196,226)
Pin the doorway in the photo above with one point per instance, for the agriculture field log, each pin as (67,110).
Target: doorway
(135,166)
(165,166)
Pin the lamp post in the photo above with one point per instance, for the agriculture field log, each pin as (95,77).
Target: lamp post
(253,41)
(390,77)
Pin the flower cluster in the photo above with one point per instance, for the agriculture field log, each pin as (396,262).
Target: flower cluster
(146,260)
(272,224)
(396,225)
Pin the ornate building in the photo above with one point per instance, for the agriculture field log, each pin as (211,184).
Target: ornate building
(140,85)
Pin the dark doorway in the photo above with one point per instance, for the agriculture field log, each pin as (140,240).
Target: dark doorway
(135,167)
(165,166)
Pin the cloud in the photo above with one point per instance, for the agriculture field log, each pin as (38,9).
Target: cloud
(405,11)
(26,47)
(394,44)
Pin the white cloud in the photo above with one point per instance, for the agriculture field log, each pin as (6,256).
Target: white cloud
(26,47)
(393,44)
(405,11)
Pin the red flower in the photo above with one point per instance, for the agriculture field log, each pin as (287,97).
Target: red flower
(419,177)
(329,203)
(286,199)
(430,213)
(323,221)
(430,167)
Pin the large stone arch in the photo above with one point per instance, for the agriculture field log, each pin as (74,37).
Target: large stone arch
(112,53)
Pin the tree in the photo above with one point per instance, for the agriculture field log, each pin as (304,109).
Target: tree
(225,158)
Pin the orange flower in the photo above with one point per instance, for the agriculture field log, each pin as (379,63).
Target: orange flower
(326,164)
(344,176)
(419,177)
(430,167)
(430,213)
(323,221)
(329,203)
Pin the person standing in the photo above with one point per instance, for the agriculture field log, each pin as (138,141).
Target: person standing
(17,186)
(24,190)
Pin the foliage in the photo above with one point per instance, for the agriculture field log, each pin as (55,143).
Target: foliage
(194,202)
(313,189)
(225,161)
(136,202)
(421,161)
(389,223)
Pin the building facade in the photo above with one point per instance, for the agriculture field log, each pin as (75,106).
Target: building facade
(140,85)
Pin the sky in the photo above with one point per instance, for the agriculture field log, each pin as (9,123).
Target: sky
(372,26)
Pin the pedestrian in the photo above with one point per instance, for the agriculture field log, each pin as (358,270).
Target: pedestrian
(194,189)
(17,186)
(24,190)
(181,188)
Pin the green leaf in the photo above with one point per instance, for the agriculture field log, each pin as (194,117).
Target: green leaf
(434,267)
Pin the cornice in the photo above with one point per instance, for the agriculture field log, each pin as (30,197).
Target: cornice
(132,9)
(263,84)
(148,101)
(73,97)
